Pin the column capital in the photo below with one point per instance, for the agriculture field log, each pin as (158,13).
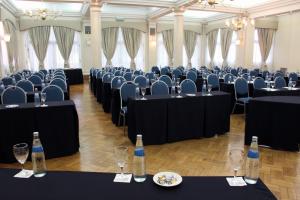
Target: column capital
(96,5)
(179,11)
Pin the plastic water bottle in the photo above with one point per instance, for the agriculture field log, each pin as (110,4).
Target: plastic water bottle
(139,171)
(36,96)
(38,157)
(204,88)
(252,162)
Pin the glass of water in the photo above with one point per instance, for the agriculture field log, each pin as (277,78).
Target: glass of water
(294,84)
(121,156)
(143,91)
(236,156)
(21,152)
(209,88)
(179,90)
(43,98)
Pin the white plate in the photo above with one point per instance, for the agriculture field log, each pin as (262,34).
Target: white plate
(161,179)
(12,106)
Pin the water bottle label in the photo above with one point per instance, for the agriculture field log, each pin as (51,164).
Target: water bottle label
(139,152)
(253,154)
(37,149)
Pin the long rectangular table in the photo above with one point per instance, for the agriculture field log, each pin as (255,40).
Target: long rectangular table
(162,119)
(57,124)
(91,185)
(74,76)
(276,92)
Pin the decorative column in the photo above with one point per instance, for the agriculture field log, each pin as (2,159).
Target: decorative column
(96,33)
(178,37)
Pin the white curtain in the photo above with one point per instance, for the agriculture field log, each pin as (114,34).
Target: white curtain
(257,58)
(132,38)
(4,64)
(226,38)
(39,37)
(64,38)
(265,40)
(12,48)
(211,43)
(109,42)
(189,44)
(162,55)
(168,36)
(195,60)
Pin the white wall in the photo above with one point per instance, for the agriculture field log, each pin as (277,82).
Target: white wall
(287,43)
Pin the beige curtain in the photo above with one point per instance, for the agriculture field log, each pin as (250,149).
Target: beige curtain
(265,40)
(226,38)
(39,37)
(168,36)
(109,42)
(132,40)
(64,38)
(190,38)
(12,48)
(212,42)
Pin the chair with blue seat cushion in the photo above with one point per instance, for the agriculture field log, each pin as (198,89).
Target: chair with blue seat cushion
(155,70)
(39,75)
(59,76)
(141,81)
(26,85)
(234,72)
(228,78)
(60,83)
(279,82)
(18,77)
(36,80)
(63,74)
(259,83)
(128,70)
(159,88)
(99,74)
(177,72)
(117,82)
(166,79)
(213,80)
(7,81)
(293,76)
(150,75)
(191,75)
(13,95)
(265,73)
(107,77)
(241,93)
(44,71)
(278,74)
(245,76)
(127,91)
(53,93)
(164,71)
(253,73)
(137,72)
(128,76)
(188,87)
(118,73)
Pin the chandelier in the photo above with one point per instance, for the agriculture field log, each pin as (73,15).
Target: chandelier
(211,3)
(42,13)
(239,23)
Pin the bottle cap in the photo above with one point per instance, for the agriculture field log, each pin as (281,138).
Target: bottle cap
(139,135)
(35,133)
(254,138)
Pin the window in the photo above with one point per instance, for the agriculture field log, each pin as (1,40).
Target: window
(162,55)
(257,61)
(53,59)
(3,53)
(121,57)
(196,56)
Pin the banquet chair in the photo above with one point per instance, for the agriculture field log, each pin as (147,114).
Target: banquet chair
(127,91)
(228,77)
(118,73)
(253,73)
(150,75)
(7,81)
(164,71)
(278,74)
(141,81)
(36,80)
(155,70)
(128,70)
(18,77)
(177,72)
(117,82)
(244,71)
(159,88)
(259,83)
(59,76)
(53,93)
(188,87)
(241,93)
(128,76)
(213,80)
(191,75)
(60,83)
(39,75)
(13,95)
(293,76)
(137,72)
(234,72)
(99,74)
(1,90)
(166,79)
(44,71)
(107,77)
(26,85)
(279,82)
(265,73)
(246,76)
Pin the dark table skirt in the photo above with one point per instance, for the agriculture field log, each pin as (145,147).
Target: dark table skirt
(74,76)
(90,186)
(57,125)
(276,92)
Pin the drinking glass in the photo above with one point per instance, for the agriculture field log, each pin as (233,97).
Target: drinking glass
(177,81)
(121,156)
(21,153)
(294,84)
(179,91)
(209,88)
(272,84)
(43,98)
(236,156)
(143,91)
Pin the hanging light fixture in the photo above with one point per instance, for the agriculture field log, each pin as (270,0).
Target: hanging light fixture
(211,3)
(42,13)
(239,23)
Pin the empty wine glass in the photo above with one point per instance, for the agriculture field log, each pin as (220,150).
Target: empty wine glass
(177,81)
(121,156)
(143,91)
(236,156)
(294,84)
(43,98)
(21,153)
(209,88)
(179,90)
(272,84)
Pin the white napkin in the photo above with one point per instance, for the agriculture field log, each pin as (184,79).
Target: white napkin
(24,174)
(125,178)
(237,181)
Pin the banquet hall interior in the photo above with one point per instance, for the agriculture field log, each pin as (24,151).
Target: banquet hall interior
(197,79)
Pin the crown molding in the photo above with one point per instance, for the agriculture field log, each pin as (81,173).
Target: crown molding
(8,5)
(143,3)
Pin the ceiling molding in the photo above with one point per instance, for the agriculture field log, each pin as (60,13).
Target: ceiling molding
(84,8)
(142,3)
(159,13)
(217,8)
(60,1)
(8,5)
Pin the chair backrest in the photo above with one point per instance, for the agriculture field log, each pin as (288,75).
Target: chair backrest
(265,73)
(118,73)
(234,72)
(241,88)
(213,80)
(95,71)
(117,82)
(36,80)
(150,75)
(155,70)
(191,75)
(166,79)
(293,76)
(44,71)
(128,76)
(128,70)
(188,86)
(39,75)
(159,88)
(60,74)
(53,93)
(228,77)
(99,74)
(245,76)
(60,83)
(164,71)
(26,85)
(177,72)
(18,77)
(107,77)
(279,82)
(127,90)
(7,81)
(137,72)
(253,73)
(13,95)
(278,74)
(259,83)
(141,81)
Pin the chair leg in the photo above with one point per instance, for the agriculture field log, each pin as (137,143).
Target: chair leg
(119,121)
(232,112)
(124,124)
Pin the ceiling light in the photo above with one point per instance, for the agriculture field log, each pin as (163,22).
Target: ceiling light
(239,23)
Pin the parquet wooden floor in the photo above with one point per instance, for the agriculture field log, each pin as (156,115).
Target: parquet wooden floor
(280,170)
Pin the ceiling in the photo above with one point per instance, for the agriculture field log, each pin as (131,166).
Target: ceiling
(154,9)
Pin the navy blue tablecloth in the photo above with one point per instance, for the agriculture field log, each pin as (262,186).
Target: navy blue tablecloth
(74,76)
